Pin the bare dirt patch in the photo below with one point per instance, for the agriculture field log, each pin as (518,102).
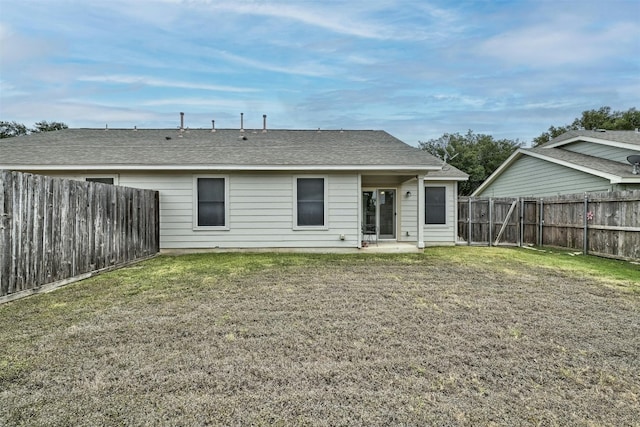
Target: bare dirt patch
(323,340)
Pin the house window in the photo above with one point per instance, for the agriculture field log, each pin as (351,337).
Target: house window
(104,180)
(210,204)
(435,207)
(310,202)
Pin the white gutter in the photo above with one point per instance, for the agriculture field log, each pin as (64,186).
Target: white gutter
(398,168)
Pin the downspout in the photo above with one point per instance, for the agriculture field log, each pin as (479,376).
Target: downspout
(455,212)
(359,221)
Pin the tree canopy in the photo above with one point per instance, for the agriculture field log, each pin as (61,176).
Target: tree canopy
(45,126)
(11,129)
(476,154)
(602,118)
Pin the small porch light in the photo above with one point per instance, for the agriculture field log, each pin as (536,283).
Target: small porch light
(408,194)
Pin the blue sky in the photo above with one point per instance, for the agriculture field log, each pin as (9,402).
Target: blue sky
(415,68)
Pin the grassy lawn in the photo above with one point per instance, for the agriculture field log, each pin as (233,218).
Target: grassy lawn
(454,336)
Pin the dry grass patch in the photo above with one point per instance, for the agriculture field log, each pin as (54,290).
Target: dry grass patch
(456,336)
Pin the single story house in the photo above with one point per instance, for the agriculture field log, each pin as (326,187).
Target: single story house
(239,188)
(577,161)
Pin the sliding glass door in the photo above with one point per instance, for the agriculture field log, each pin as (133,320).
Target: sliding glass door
(379,213)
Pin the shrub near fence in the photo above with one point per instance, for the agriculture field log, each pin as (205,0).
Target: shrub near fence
(54,229)
(605,224)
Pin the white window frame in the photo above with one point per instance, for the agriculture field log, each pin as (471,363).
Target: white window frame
(197,227)
(325,226)
(446,207)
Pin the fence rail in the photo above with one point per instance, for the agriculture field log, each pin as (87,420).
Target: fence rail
(53,229)
(605,224)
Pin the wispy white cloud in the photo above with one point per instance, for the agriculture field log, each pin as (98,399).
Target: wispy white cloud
(551,44)
(308,68)
(196,102)
(156,82)
(16,47)
(325,16)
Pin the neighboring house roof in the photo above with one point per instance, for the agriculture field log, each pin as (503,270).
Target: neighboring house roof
(222,149)
(448,173)
(615,172)
(617,138)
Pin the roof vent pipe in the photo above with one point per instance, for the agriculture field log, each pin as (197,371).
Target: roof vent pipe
(106,126)
(213,125)
(241,122)
(264,123)
(181,122)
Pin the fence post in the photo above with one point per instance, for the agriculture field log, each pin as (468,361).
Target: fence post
(585,236)
(469,223)
(490,220)
(541,225)
(521,218)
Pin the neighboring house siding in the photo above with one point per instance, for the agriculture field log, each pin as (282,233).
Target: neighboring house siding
(599,150)
(531,177)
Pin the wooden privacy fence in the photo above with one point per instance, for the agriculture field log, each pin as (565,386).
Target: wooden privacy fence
(54,229)
(605,224)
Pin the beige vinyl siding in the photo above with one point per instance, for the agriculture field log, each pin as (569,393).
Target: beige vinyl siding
(440,234)
(260,212)
(531,177)
(443,234)
(608,152)
(408,211)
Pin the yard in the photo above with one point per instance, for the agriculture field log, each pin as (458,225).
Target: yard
(454,336)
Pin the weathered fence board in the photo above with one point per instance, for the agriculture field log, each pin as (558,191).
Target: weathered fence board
(605,224)
(53,229)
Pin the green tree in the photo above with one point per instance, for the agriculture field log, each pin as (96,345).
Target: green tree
(44,126)
(602,118)
(10,129)
(476,154)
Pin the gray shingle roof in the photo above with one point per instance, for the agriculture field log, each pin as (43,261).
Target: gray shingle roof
(622,170)
(624,136)
(226,147)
